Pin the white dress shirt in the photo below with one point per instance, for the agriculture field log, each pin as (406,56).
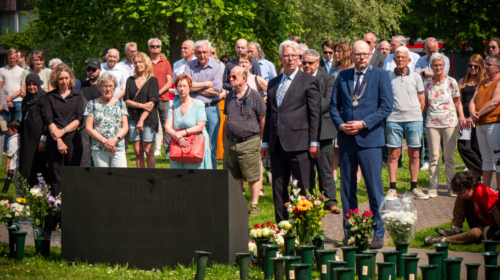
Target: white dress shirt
(127,66)
(120,74)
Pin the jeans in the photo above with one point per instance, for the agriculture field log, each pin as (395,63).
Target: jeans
(14,113)
(212,126)
(109,159)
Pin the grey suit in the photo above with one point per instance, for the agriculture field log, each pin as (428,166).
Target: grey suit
(378,59)
(328,132)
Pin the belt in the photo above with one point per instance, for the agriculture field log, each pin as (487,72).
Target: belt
(241,140)
(211,103)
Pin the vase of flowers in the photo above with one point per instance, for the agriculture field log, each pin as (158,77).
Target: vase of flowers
(289,239)
(360,229)
(263,234)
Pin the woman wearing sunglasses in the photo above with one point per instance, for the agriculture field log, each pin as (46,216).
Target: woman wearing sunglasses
(469,149)
(36,61)
(475,202)
(492,46)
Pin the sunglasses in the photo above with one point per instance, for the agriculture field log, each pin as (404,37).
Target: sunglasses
(492,47)
(308,62)
(155,46)
(225,61)
(90,69)
(231,77)
(369,42)
(330,53)
(473,66)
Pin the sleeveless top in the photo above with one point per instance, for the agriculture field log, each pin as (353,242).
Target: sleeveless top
(467,94)
(252,83)
(484,94)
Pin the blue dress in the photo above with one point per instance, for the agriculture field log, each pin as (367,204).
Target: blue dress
(194,114)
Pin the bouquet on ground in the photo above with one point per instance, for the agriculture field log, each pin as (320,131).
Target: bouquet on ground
(360,228)
(400,218)
(45,209)
(306,213)
(266,230)
(13,212)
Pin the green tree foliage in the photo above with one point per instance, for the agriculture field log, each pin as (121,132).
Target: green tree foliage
(348,19)
(454,21)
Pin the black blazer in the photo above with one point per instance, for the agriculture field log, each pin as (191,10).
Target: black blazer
(378,59)
(322,67)
(326,83)
(297,121)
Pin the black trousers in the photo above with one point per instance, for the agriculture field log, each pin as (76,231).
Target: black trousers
(323,165)
(55,159)
(469,151)
(283,163)
(86,152)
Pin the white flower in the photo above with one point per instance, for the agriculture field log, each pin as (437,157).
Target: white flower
(28,214)
(337,258)
(279,255)
(253,233)
(35,192)
(266,232)
(259,232)
(252,247)
(16,214)
(296,191)
(285,225)
(299,197)
(280,241)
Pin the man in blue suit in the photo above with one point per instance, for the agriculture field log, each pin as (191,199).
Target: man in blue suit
(362,98)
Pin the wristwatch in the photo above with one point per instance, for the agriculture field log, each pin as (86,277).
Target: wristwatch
(118,137)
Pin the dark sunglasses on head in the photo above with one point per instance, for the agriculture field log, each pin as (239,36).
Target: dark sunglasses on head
(90,69)
(308,62)
(473,66)
(155,46)
(325,52)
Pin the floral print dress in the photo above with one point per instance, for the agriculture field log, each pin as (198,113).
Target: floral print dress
(441,112)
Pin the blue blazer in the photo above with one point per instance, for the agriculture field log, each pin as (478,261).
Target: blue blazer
(372,109)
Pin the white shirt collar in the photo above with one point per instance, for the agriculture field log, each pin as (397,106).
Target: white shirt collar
(373,51)
(315,72)
(364,70)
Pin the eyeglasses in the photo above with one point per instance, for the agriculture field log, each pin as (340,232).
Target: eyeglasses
(103,86)
(231,77)
(225,61)
(489,64)
(90,69)
(155,46)
(472,66)
(290,56)
(361,54)
(492,47)
(308,62)
(325,52)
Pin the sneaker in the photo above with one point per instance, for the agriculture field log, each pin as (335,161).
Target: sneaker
(432,193)
(425,166)
(392,194)
(451,193)
(429,240)
(418,194)
(157,153)
(447,231)
(254,211)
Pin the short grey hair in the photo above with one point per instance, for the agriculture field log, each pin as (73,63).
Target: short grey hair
(113,50)
(430,39)
(303,47)
(495,57)
(261,54)
(202,43)
(437,56)
(313,53)
(152,40)
(54,61)
(130,45)
(106,77)
(402,49)
(288,44)
(400,39)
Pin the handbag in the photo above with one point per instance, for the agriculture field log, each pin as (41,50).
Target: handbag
(190,154)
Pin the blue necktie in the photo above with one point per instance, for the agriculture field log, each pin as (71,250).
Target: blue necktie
(358,84)
(282,90)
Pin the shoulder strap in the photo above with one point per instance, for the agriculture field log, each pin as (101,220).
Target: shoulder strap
(257,84)
(141,87)
(173,120)
(93,107)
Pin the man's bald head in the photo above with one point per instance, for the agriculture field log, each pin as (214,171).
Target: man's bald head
(241,46)
(361,55)
(384,47)
(371,40)
(238,78)
(187,49)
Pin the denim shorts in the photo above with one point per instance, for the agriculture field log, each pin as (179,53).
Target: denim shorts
(148,135)
(412,131)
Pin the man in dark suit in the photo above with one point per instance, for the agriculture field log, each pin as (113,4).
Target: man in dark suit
(324,162)
(362,98)
(378,58)
(327,48)
(292,128)
(240,47)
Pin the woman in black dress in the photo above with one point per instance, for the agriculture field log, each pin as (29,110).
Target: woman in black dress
(33,134)
(142,111)
(64,109)
(469,149)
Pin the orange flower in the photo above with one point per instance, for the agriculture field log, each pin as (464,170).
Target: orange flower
(287,203)
(304,205)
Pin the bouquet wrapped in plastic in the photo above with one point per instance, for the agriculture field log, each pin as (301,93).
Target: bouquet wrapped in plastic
(400,218)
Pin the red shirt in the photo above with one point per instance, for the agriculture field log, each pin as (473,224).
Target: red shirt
(161,70)
(484,200)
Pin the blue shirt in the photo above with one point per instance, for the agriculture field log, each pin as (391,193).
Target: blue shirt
(424,63)
(282,83)
(389,63)
(212,72)
(267,69)
(328,65)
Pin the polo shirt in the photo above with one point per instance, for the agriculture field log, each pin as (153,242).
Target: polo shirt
(161,69)
(242,115)
(11,78)
(406,88)
(267,69)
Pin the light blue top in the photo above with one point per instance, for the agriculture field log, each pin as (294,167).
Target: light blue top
(389,63)
(267,69)
(328,64)
(425,63)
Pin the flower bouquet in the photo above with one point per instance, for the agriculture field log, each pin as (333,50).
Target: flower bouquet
(307,212)
(400,219)
(360,228)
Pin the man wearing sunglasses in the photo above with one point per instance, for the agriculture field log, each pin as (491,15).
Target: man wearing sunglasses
(325,64)
(378,58)
(240,47)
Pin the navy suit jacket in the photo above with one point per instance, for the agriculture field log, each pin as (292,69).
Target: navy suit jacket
(373,107)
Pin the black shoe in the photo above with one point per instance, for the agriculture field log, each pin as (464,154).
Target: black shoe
(342,244)
(447,232)
(491,233)
(377,243)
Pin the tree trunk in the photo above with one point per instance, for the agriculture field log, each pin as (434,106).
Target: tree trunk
(177,34)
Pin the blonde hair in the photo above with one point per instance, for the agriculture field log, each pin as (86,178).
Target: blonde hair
(57,71)
(145,59)
(31,58)
(480,70)
(11,52)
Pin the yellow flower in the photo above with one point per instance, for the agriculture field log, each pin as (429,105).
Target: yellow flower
(304,205)
(319,224)
(21,200)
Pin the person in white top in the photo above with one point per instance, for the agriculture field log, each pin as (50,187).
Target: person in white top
(128,64)
(396,42)
(116,70)
(187,53)
(36,60)
(10,80)
(12,165)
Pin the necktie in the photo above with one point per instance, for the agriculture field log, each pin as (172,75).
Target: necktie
(358,83)
(331,71)
(282,90)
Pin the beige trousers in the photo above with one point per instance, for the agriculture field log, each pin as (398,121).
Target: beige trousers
(449,138)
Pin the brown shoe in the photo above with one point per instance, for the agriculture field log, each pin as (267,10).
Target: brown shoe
(334,209)
(254,211)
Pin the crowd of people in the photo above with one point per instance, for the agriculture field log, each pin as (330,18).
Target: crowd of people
(350,107)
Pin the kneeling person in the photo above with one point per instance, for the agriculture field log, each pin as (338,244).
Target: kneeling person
(245,112)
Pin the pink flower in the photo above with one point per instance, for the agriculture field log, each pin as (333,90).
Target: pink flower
(356,211)
(370,213)
(347,215)
(350,211)
(317,202)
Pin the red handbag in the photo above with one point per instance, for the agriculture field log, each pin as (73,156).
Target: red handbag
(191,154)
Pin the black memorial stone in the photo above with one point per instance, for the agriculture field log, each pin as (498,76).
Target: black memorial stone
(149,218)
